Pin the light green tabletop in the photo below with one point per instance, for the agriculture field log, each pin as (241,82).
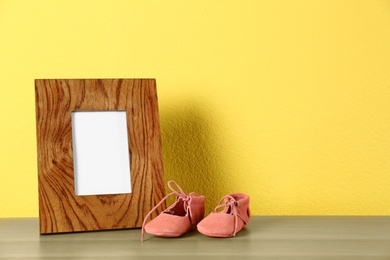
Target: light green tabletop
(264,238)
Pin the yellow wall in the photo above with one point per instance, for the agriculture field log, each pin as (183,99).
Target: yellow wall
(288,101)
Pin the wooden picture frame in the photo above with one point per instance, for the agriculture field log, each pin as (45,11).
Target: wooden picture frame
(60,209)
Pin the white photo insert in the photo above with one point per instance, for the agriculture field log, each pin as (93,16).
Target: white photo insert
(101,153)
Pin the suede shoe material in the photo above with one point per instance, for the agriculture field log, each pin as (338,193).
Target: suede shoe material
(179,218)
(167,225)
(233,218)
(196,208)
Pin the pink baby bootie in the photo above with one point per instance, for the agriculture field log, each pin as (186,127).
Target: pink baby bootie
(179,218)
(227,222)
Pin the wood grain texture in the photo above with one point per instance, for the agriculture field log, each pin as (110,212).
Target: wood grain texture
(60,210)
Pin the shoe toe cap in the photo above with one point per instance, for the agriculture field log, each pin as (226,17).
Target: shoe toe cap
(167,225)
(218,225)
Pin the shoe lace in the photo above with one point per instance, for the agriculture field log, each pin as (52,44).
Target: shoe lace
(180,195)
(230,204)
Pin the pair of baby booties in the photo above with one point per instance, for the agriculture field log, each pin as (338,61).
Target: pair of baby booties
(187,213)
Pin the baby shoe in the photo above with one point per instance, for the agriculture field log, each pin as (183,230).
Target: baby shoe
(230,220)
(179,218)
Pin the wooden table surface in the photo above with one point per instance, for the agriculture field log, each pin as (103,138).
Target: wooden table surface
(264,238)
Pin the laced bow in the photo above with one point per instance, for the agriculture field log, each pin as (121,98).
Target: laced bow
(230,203)
(180,195)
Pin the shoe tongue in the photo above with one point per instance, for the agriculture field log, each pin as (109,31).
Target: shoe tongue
(177,209)
(171,212)
(229,200)
(229,204)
